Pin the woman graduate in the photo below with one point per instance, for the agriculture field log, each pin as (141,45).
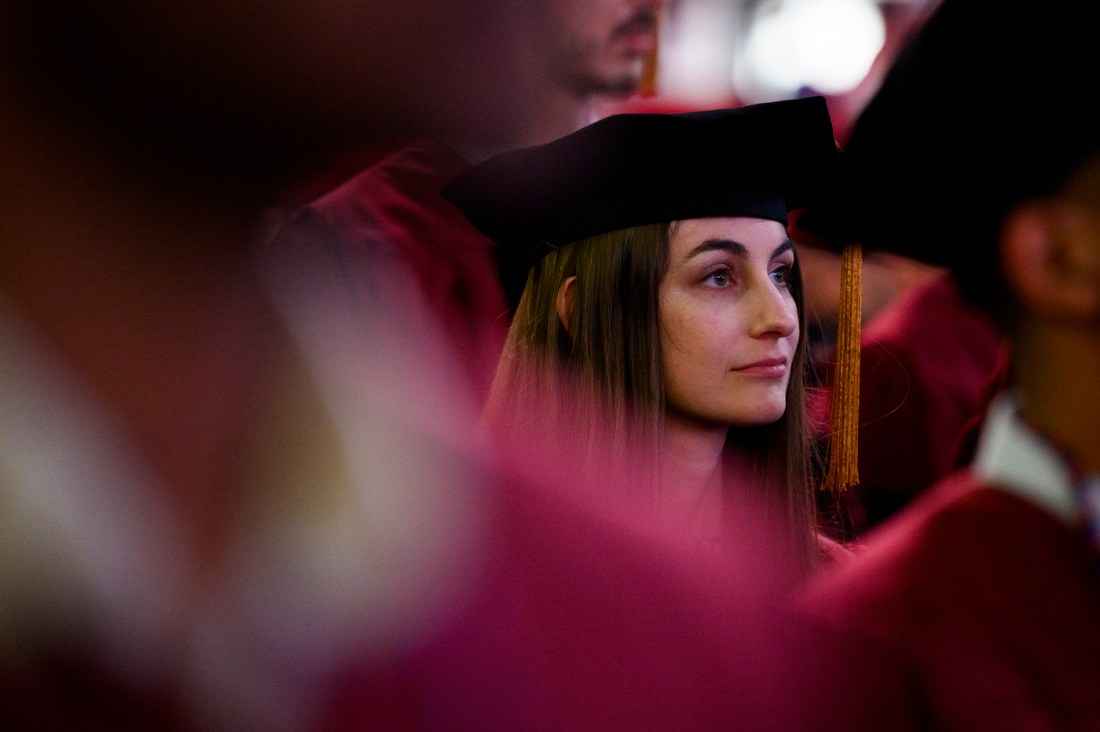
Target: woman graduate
(659,331)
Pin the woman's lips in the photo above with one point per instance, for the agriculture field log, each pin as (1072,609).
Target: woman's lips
(764,367)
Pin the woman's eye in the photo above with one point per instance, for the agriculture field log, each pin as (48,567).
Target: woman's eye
(719,278)
(781,275)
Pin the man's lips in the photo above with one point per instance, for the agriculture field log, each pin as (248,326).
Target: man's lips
(639,33)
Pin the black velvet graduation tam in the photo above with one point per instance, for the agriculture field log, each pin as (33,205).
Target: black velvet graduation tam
(626,170)
(988,104)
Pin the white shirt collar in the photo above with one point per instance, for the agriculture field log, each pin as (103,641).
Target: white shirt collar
(1014,458)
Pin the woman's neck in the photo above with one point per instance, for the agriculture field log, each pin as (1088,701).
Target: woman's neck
(691,470)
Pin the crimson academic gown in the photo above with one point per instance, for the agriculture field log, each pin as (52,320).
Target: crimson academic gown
(976,608)
(394,212)
(584,620)
(926,364)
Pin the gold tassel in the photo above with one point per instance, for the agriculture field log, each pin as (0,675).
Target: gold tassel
(843,462)
(648,86)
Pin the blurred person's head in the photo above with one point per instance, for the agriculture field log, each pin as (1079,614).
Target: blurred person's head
(190,92)
(599,47)
(967,125)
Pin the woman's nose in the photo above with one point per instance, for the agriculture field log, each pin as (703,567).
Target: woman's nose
(776,313)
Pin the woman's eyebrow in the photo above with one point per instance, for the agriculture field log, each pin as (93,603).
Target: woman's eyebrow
(726,245)
(734,247)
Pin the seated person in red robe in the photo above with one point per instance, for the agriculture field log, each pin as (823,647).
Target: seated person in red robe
(981,599)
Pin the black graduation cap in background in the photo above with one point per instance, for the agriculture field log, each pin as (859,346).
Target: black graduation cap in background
(627,170)
(988,104)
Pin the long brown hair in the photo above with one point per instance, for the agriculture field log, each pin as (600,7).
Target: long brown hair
(597,387)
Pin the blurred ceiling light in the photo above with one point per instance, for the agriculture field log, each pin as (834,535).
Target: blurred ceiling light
(827,46)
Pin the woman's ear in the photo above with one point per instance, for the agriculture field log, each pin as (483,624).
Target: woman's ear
(1050,250)
(566,294)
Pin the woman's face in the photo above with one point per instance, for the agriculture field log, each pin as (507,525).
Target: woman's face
(728,321)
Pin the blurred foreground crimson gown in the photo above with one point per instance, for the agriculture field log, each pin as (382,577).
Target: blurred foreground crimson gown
(581,616)
(388,573)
